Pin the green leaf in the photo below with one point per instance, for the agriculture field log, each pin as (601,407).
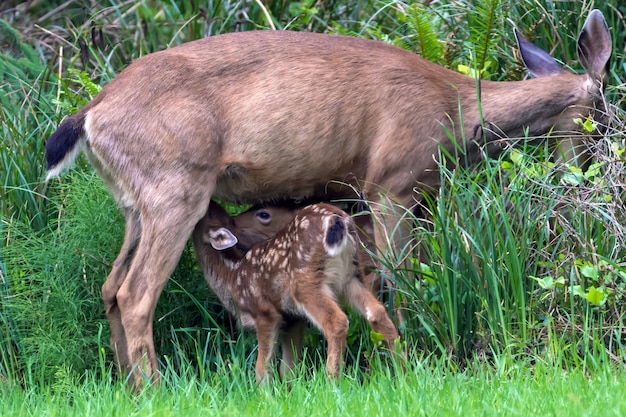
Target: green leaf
(596,296)
(589,271)
(575,170)
(593,170)
(506,165)
(546,282)
(516,156)
(578,290)
(466,70)
(549,283)
(424,268)
(573,178)
(376,337)
(589,125)
(619,151)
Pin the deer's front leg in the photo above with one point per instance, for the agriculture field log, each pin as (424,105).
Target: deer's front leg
(374,312)
(267,327)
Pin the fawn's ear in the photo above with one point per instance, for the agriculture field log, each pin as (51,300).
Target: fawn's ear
(222,238)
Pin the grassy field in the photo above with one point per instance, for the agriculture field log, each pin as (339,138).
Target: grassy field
(520,310)
(424,390)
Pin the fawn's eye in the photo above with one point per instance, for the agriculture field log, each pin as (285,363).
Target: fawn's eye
(264,216)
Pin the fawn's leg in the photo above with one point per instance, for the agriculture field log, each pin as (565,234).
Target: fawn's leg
(324,312)
(291,346)
(374,312)
(267,327)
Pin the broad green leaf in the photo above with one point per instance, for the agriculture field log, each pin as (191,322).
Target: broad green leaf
(578,290)
(376,337)
(549,283)
(594,170)
(574,169)
(573,179)
(516,156)
(589,271)
(596,296)
(465,70)
(506,165)
(589,125)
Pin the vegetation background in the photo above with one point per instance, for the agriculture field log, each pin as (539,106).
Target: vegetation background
(527,257)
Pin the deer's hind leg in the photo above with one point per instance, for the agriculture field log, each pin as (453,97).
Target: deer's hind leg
(169,212)
(113,283)
(323,311)
(392,219)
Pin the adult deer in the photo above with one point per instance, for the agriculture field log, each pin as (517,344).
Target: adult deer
(298,274)
(259,115)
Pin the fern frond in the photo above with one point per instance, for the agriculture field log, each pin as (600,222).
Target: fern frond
(485,19)
(82,78)
(421,32)
(9,36)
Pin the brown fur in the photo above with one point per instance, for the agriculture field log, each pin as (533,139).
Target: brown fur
(292,275)
(261,115)
(261,223)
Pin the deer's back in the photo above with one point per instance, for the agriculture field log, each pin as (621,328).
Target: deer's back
(246,105)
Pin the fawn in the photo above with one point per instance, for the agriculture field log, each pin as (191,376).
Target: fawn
(298,274)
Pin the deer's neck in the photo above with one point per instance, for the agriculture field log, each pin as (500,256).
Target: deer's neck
(222,274)
(520,109)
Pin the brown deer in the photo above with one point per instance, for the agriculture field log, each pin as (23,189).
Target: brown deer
(300,273)
(253,116)
(263,221)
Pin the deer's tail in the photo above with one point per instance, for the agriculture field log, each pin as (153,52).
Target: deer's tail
(64,144)
(336,235)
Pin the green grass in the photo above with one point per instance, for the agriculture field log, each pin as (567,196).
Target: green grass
(508,317)
(426,389)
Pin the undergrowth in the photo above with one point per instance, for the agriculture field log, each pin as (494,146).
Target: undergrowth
(522,260)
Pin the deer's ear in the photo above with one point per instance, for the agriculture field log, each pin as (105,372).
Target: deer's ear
(222,238)
(538,62)
(595,46)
